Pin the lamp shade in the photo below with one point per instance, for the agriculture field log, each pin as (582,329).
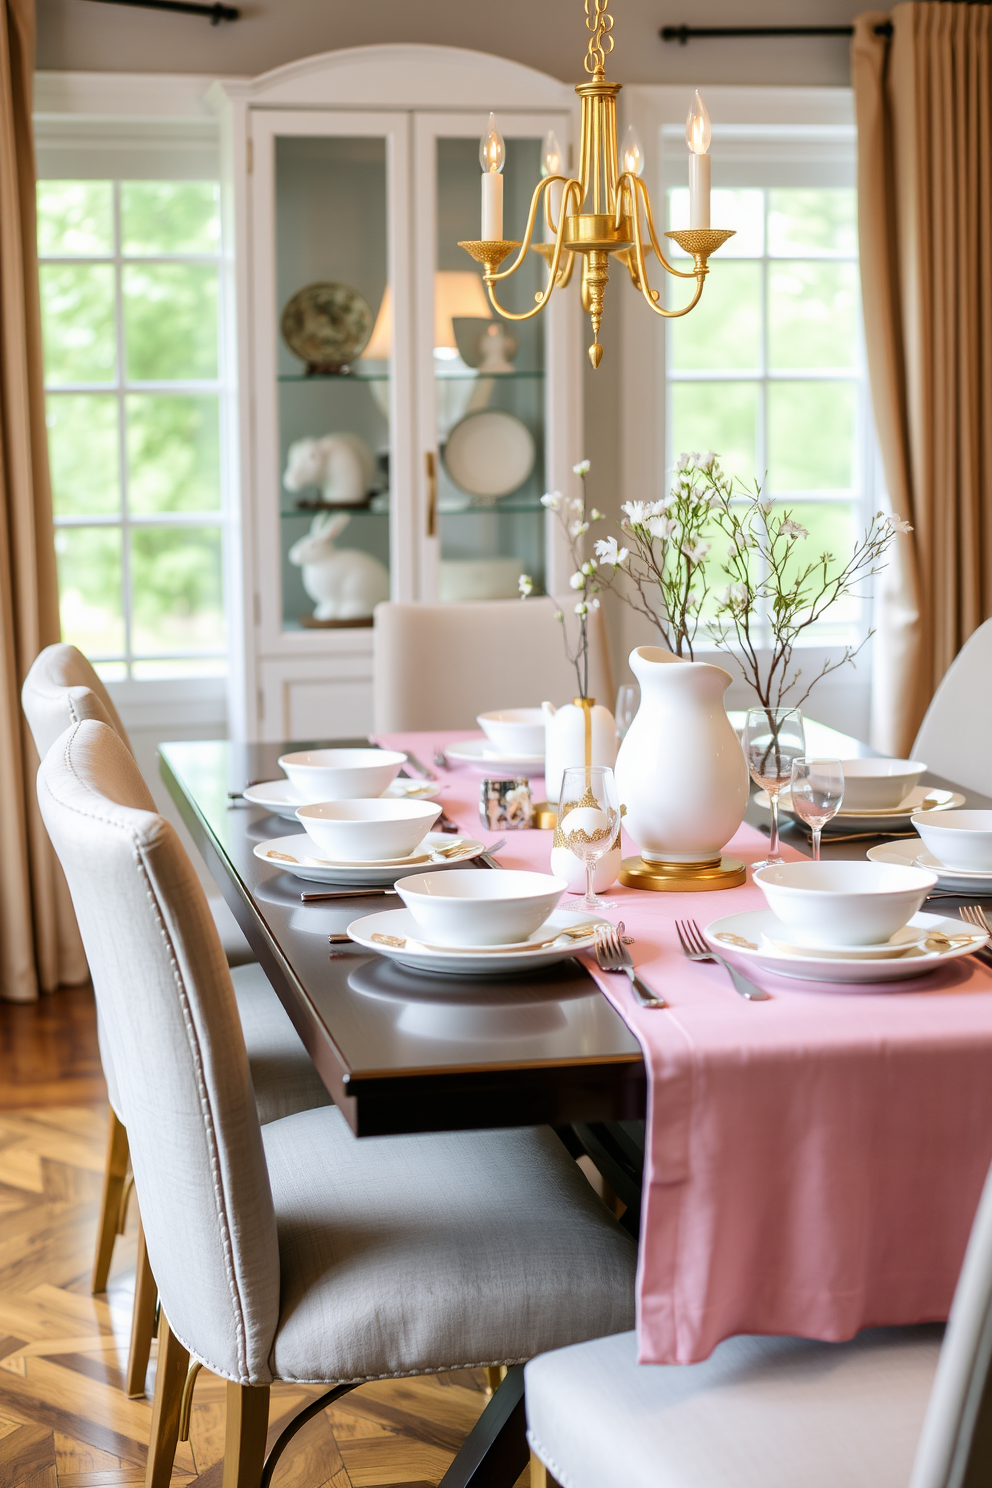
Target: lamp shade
(456,292)
(380,347)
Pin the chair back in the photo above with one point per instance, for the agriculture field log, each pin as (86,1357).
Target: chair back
(439,665)
(169,1012)
(62,688)
(953,737)
(955,1447)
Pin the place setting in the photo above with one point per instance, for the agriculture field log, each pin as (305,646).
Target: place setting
(513,740)
(955,845)
(314,775)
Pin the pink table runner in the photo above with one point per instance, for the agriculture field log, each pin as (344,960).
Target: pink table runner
(814,1162)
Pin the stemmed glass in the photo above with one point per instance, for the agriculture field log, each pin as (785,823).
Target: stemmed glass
(817,790)
(773,738)
(628,702)
(588,820)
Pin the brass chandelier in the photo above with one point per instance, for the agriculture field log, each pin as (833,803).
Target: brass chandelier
(602,211)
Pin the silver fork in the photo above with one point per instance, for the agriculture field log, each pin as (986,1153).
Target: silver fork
(440,758)
(697,949)
(973,914)
(420,768)
(613,955)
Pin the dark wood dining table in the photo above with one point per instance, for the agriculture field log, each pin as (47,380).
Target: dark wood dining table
(405,1052)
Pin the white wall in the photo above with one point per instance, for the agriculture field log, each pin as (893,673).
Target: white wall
(83,35)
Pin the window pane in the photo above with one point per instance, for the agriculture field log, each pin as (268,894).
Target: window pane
(176,589)
(812,315)
(813,221)
(180,666)
(173,453)
(89,561)
(83,452)
(169,217)
(170,321)
(77,307)
(723,333)
(75,217)
(811,436)
(742,210)
(720,416)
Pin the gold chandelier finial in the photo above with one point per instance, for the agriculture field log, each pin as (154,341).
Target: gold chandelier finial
(603,212)
(600,23)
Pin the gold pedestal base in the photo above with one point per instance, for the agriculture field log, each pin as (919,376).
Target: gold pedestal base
(683,878)
(545,816)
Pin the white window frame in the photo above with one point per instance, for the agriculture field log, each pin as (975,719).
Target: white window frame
(786,136)
(126,127)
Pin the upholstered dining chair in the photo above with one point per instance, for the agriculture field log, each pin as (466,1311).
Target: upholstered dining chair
(294,1251)
(438,665)
(60,689)
(894,1408)
(953,737)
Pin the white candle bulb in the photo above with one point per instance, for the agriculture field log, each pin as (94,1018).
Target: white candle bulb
(632,153)
(492,156)
(697,136)
(552,158)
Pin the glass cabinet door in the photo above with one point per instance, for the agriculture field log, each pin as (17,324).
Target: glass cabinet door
(328,332)
(486,419)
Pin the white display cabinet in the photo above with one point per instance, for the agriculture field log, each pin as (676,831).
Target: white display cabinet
(360,168)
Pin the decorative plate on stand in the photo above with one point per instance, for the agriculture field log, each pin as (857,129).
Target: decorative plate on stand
(326,325)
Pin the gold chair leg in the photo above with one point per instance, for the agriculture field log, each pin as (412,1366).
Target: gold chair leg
(170,1377)
(495,1375)
(244,1437)
(114,1179)
(142,1320)
(538,1473)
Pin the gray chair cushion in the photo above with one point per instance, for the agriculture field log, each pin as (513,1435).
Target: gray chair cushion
(759,1413)
(403,1255)
(282,1071)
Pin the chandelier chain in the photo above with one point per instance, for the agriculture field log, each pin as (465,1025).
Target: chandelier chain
(600,23)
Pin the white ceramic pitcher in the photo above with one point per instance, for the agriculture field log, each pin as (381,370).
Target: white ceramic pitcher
(681,772)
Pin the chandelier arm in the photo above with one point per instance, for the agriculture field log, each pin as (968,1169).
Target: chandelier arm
(678,273)
(651,296)
(543,296)
(535,200)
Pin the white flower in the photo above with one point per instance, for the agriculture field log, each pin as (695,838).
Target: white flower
(661,527)
(578,529)
(696,552)
(559,615)
(575,504)
(582,609)
(552,500)
(683,462)
(526,585)
(589,567)
(577,581)
(735,596)
(765,504)
(582,468)
(608,552)
(595,515)
(898,523)
(789,528)
(635,513)
(594,604)
(707,461)
(655,508)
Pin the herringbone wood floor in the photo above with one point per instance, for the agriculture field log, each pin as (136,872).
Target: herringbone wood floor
(64,1419)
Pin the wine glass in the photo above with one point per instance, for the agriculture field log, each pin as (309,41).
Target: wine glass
(588,820)
(817,790)
(628,702)
(773,738)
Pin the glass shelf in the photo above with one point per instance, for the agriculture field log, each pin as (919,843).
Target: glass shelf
(501,509)
(345,377)
(319,511)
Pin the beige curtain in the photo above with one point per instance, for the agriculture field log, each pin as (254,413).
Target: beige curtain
(924,110)
(39,942)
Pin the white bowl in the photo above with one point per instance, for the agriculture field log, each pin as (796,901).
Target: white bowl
(878,784)
(470,907)
(364,831)
(514,731)
(341,774)
(843,903)
(958,839)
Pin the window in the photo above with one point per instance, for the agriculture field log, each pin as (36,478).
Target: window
(769,371)
(130,306)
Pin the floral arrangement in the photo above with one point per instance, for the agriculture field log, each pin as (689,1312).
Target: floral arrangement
(575,518)
(775,591)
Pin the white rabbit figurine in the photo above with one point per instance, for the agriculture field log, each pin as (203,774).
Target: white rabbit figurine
(345,583)
(342,465)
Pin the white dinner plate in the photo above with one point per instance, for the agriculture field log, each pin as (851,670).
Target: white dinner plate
(897,944)
(480,754)
(279,797)
(313,865)
(739,938)
(490,453)
(399,924)
(909,853)
(894,816)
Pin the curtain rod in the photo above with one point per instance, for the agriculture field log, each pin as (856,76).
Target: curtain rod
(684,34)
(214,13)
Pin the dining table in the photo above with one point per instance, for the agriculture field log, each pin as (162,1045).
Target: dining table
(402,1051)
